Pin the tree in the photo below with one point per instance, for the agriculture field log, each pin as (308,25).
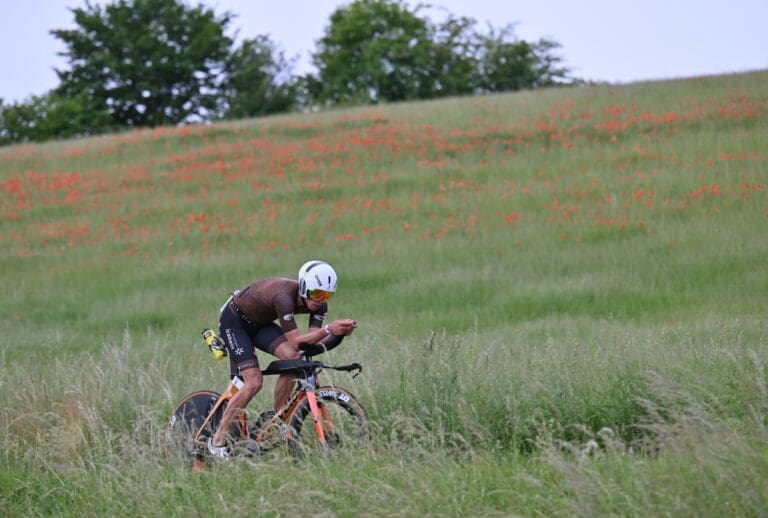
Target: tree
(146,62)
(256,81)
(452,59)
(50,116)
(506,63)
(373,50)
(377,50)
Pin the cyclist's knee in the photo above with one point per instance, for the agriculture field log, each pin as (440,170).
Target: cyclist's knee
(292,355)
(253,387)
(284,351)
(252,381)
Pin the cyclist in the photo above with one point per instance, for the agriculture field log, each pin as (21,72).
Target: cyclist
(247,322)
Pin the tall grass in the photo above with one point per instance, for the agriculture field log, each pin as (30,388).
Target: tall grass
(561,298)
(461,427)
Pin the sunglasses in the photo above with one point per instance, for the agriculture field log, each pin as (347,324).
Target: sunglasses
(319,295)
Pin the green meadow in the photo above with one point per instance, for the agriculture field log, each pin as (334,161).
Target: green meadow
(562,300)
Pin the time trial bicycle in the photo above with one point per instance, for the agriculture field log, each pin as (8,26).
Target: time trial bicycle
(336,419)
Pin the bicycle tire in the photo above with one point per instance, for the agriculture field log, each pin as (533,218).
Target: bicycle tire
(187,418)
(345,424)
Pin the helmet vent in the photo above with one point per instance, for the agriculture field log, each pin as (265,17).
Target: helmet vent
(316,263)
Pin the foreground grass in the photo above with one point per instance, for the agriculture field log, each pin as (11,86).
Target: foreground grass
(580,428)
(720,482)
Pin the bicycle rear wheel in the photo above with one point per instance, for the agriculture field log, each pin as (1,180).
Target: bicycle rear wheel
(343,419)
(187,420)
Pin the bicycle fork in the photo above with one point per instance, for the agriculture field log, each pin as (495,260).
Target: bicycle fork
(314,408)
(309,386)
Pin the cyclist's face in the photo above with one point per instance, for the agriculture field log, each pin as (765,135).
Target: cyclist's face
(313,305)
(315,298)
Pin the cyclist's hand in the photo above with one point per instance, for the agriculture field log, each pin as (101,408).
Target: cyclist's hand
(343,327)
(351,327)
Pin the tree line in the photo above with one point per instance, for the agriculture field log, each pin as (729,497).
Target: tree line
(146,63)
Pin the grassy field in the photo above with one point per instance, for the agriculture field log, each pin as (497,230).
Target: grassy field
(562,298)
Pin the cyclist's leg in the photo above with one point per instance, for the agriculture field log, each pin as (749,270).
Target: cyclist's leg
(243,358)
(272,340)
(284,383)
(253,381)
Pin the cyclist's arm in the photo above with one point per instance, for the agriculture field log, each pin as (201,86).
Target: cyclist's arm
(312,336)
(316,334)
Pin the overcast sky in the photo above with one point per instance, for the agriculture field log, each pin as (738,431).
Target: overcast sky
(608,40)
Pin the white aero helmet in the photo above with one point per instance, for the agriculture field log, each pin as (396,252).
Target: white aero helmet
(317,275)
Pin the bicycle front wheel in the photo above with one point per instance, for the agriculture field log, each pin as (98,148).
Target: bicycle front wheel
(342,418)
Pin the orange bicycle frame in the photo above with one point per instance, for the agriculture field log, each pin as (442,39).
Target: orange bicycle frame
(242,422)
(313,407)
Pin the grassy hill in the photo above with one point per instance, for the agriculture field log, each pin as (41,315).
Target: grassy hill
(561,297)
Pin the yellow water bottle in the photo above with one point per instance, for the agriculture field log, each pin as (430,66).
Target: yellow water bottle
(214,343)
